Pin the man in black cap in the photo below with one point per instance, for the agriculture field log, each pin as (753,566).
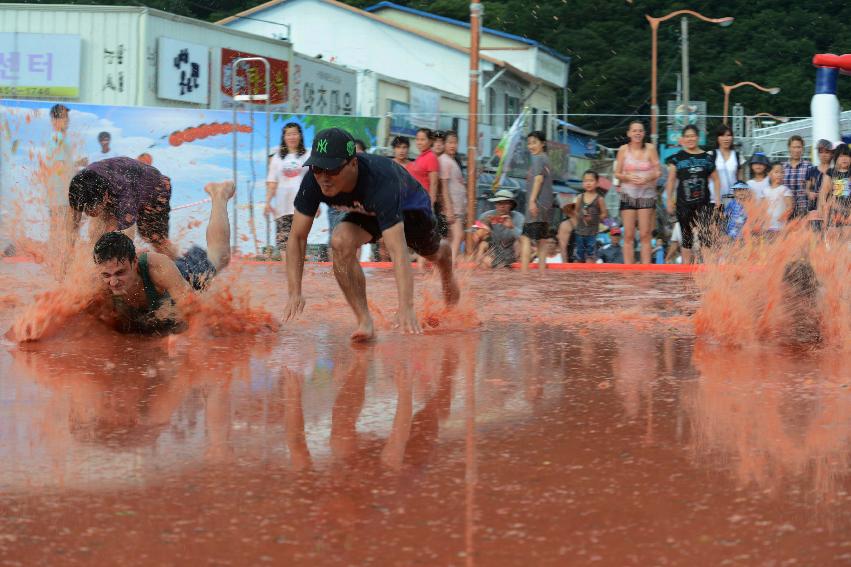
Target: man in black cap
(381,200)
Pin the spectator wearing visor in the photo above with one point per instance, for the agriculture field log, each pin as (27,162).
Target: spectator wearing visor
(497,232)
(735,211)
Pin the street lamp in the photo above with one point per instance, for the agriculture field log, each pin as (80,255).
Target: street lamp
(729,88)
(654,27)
(782,119)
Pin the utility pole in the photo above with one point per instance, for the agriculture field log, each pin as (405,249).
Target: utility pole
(684,49)
(473,114)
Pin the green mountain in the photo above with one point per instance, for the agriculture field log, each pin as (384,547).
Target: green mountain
(771,43)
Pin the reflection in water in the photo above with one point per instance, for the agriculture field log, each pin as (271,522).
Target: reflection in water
(112,409)
(523,441)
(773,416)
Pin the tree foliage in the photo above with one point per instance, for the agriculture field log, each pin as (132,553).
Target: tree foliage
(771,42)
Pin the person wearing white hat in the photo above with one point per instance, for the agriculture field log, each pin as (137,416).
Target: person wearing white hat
(498,230)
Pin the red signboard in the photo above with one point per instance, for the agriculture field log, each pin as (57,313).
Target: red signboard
(250,78)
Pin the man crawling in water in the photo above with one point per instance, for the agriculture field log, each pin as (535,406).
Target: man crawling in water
(150,293)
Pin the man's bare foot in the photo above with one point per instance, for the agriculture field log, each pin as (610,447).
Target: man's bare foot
(451,292)
(364,333)
(223,189)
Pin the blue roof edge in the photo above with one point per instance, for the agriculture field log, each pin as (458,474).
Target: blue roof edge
(527,41)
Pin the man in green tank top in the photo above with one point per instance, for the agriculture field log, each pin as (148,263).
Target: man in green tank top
(150,292)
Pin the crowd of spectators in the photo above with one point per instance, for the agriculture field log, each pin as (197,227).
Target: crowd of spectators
(666,209)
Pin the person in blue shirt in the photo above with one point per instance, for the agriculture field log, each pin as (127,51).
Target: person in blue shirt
(735,211)
(381,200)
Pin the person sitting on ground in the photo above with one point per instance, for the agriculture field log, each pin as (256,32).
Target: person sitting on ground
(381,200)
(611,253)
(148,293)
(121,192)
(590,210)
(497,231)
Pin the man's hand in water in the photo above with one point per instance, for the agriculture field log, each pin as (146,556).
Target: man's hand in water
(407,322)
(294,307)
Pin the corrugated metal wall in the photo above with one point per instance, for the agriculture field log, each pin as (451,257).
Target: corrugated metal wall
(109,51)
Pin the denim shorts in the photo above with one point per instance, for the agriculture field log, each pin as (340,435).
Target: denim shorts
(586,247)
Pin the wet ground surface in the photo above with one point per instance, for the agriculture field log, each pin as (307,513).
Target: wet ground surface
(577,422)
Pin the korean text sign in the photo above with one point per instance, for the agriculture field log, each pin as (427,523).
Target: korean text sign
(320,88)
(183,71)
(36,64)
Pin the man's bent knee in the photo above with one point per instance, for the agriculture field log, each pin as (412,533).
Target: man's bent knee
(343,244)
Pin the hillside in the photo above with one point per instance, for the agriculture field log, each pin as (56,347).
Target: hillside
(771,42)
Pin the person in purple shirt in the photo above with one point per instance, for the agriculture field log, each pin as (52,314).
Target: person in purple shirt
(381,200)
(121,192)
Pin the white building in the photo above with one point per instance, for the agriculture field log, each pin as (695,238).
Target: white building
(773,140)
(132,56)
(419,63)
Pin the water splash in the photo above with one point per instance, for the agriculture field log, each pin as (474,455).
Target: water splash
(785,287)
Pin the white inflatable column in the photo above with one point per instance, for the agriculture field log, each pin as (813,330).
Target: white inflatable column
(824,108)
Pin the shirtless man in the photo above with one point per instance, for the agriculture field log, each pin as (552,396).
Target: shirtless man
(150,293)
(382,200)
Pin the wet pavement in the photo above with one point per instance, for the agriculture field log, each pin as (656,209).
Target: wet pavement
(572,419)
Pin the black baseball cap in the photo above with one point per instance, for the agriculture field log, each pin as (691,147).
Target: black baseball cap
(332,148)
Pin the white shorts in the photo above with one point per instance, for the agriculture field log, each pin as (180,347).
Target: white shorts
(676,234)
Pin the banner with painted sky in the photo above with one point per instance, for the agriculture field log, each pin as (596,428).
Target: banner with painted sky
(191,146)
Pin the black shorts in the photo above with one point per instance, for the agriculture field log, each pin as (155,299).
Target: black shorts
(196,268)
(420,230)
(632,204)
(283,227)
(536,230)
(153,224)
(694,218)
(153,219)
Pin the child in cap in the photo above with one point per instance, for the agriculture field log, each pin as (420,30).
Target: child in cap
(735,210)
(759,174)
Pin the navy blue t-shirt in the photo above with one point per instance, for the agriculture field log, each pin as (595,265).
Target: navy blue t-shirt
(693,172)
(384,189)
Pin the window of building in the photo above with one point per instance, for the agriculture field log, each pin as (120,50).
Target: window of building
(512,105)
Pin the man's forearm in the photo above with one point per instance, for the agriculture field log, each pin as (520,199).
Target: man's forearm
(295,264)
(402,271)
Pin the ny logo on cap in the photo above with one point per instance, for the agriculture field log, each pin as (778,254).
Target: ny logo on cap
(350,147)
(322,146)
